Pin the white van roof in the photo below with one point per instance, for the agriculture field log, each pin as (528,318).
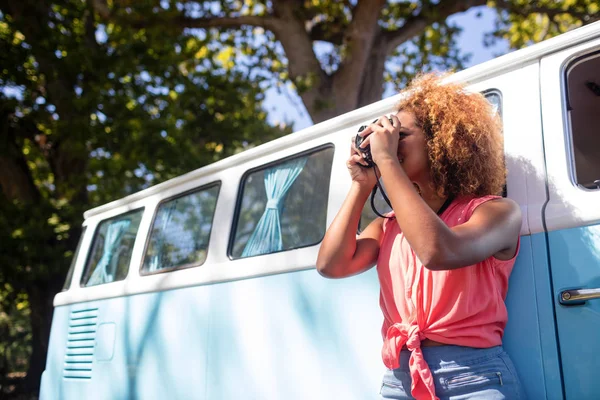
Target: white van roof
(470,75)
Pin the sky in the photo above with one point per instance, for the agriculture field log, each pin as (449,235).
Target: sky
(287,107)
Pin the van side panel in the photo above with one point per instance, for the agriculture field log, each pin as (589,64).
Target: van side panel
(546,316)
(296,336)
(150,346)
(293,336)
(529,336)
(52,375)
(575,258)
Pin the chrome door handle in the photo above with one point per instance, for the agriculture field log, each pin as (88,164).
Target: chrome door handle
(578,296)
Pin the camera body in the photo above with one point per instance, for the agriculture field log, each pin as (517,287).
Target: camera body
(366,151)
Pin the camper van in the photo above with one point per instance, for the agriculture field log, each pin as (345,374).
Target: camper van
(204,286)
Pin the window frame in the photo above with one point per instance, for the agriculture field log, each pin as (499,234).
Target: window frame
(485,93)
(566,108)
(488,92)
(93,243)
(71,271)
(141,271)
(240,192)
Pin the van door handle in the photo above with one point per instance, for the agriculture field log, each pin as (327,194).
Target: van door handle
(578,296)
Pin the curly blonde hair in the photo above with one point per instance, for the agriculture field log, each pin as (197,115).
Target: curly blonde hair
(463,136)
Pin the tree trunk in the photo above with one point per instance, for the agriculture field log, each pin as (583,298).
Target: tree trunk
(41,295)
(365,91)
(371,89)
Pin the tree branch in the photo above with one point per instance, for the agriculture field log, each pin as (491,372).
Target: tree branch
(551,12)
(16,181)
(298,47)
(289,30)
(286,22)
(323,31)
(182,21)
(101,7)
(90,27)
(416,24)
(269,22)
(359,38)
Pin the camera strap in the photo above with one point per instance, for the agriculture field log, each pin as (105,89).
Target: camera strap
(378,185)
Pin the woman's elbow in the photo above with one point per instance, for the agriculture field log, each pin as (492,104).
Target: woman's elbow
(321,267)
(332,268)
(436,260)
(326,269)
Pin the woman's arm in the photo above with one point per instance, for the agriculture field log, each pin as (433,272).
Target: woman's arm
(492,230)
(341,253)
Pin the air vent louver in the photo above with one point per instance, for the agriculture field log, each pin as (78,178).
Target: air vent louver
(81,342)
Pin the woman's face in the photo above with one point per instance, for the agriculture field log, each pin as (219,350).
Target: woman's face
(412,151)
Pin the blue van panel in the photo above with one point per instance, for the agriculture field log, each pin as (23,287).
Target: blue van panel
(530,336)
(288,336)
(152,346)
(575,262)
(296,336)
(292,336)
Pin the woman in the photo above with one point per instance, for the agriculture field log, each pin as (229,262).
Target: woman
(445,252)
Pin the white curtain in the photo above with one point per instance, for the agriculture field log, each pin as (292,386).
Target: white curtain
(266,237)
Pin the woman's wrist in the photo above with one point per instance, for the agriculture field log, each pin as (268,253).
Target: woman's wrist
(360,189)
(388,161)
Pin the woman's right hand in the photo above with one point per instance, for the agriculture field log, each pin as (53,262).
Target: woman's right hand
(363,176)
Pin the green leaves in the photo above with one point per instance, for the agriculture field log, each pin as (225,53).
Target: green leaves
(523,23)
(15,333)
(92,110)
(434,49)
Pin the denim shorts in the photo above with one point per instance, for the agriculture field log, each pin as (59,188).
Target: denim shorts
(463,373)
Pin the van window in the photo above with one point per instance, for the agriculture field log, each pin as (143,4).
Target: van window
(181,231)
(583,106)
(367,216)
(73,262)
(283,206)
(109,258)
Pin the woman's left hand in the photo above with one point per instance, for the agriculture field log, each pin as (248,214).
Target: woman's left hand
(383,137)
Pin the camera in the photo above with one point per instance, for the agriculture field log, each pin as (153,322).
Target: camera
(368,159)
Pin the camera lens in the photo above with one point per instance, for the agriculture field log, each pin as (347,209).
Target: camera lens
(367,149)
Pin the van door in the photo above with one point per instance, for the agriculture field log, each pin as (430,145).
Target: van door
(570,97)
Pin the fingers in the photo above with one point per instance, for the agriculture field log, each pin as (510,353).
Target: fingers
(385,122)
(391,123)
(396,121)
(356,159)
(354,152)
(354,149)
(367,131)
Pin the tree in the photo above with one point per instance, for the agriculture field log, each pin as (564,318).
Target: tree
(363,43)
(90,112)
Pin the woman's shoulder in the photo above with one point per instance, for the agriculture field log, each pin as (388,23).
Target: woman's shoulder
(493,211)
(469,204)
(490,207)
(493,203)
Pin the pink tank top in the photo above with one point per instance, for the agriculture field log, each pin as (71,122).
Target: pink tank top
(463,307)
